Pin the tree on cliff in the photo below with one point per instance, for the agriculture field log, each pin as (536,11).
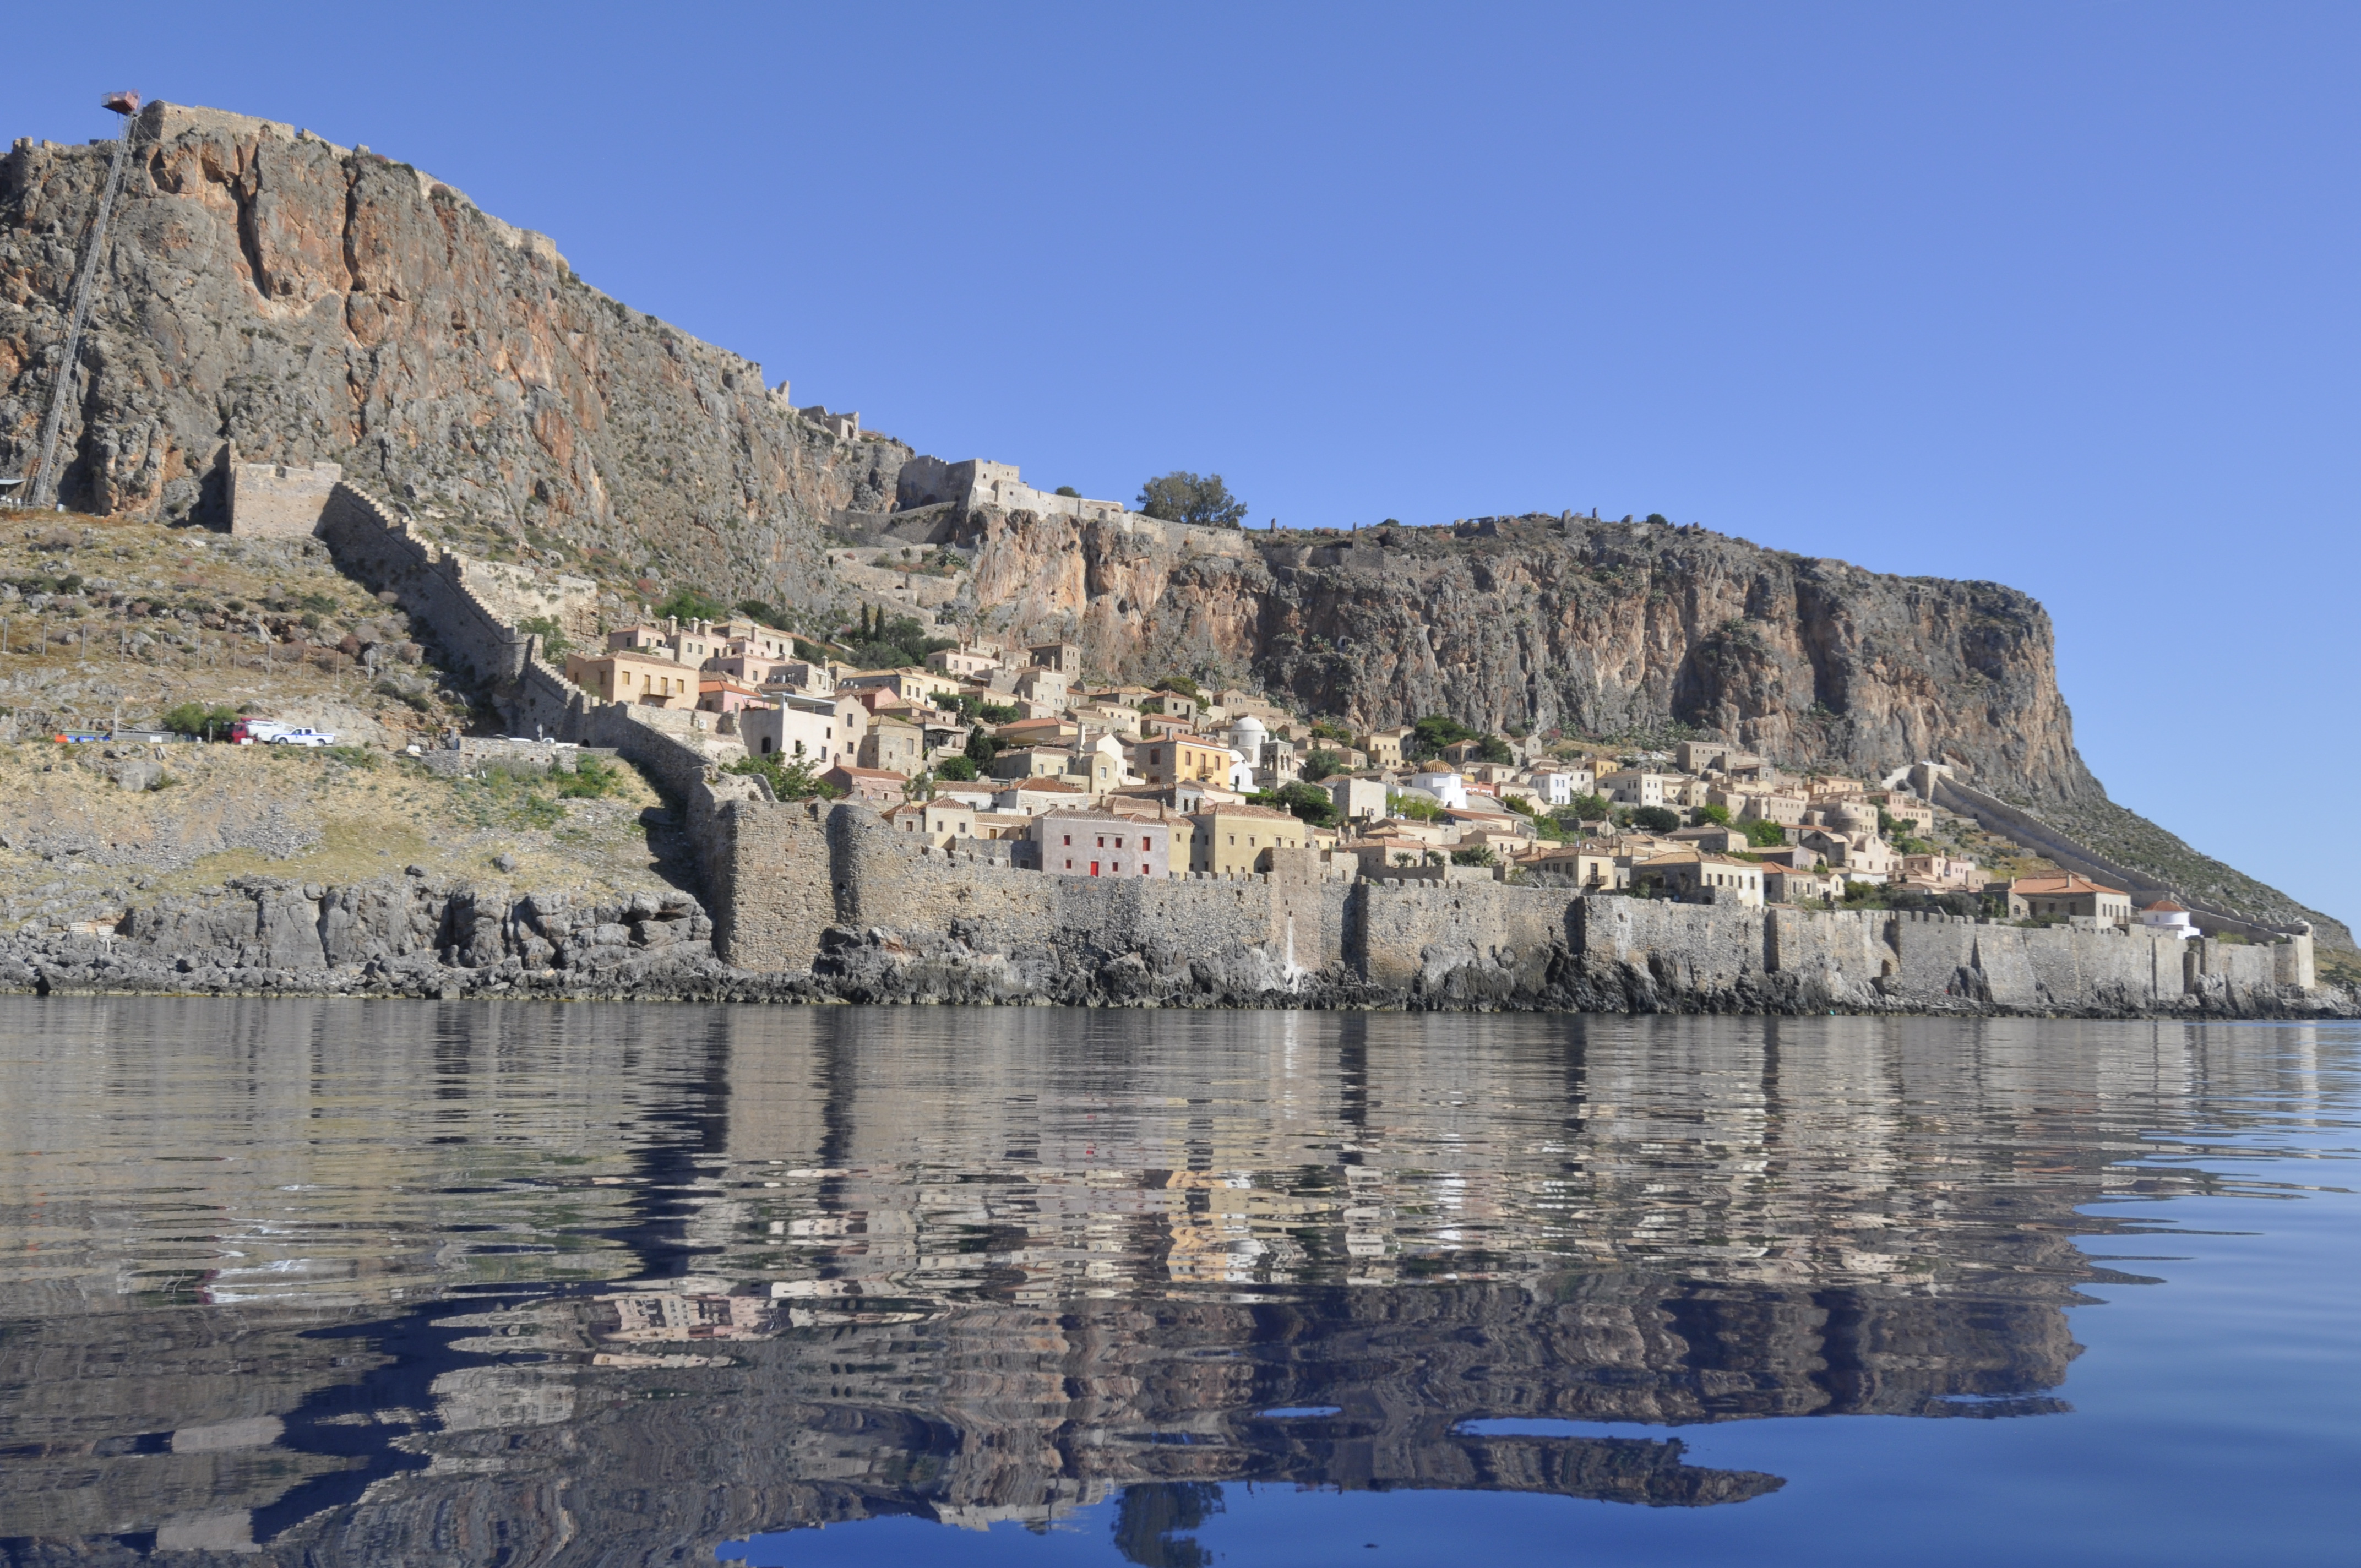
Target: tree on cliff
(1183,496)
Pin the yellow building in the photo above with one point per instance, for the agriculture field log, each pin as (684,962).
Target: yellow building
(1178,759)
(621,676)
(1234,838)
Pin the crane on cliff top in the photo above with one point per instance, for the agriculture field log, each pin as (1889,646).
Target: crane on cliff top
(41,485)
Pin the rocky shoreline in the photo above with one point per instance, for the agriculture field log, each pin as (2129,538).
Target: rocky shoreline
(410,938)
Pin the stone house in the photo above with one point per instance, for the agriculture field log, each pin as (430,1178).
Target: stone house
(742,636)
(1633,786)
(1385,746)
(805,676)
(1060,658)
(963,663)
(874,785)
(1178,758)
(894,747)
(1715,838)
(1693,875)
(1043,686)
(1942,873)
(1070,841)
(1906,808)
(1792,885)
(1172,704)
(1559,787)
(1231,839)
(1039,733)
(641,637)
(937,821)
(1100,765)
(909,684)
(1035,795)
(1033,762)
(1112,716)
(1444,784)
(1786,809)
(633,677)
(1590,864)
(2066,895)
(1357,798)
(721,694)
(818,730)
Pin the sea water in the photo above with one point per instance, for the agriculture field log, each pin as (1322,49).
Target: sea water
(331,1283)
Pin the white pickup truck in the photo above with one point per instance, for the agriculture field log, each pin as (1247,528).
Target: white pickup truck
(304,738)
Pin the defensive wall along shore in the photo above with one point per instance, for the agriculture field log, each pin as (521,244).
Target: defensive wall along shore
(826,901)
(830,887)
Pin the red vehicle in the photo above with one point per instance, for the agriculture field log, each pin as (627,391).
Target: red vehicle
(251,731)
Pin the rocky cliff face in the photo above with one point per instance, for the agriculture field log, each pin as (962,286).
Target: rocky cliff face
(305,302)
(1599,627)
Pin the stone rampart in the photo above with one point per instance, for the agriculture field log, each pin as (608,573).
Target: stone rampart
(380,549)
(882,916)
(2021,827)
(277,501)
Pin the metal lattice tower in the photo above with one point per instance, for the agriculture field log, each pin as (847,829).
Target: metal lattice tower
(41,489)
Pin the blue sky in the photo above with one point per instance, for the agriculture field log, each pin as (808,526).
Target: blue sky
(2057,295)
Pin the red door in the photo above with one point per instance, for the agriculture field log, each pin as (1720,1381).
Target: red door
(1095,868)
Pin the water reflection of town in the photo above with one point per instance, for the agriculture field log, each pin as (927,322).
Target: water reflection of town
(402,1283)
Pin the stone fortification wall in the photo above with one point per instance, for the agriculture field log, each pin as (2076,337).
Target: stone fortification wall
(467,605)
(277,499)
(379,549)
(878,915)
(2023,828)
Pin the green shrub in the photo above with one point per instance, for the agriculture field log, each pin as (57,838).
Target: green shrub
(387,685)
(1181,685)
(1306,802)
(1430,735)
(1715,813)
(1481,855)
(553,636)
(690,604)
(1592,808)
(197,718)
(592,777)
(789,780)
(1765,835)
(957,769)
(1321,764)
(1655,819)
(1412,808)
(1200,498)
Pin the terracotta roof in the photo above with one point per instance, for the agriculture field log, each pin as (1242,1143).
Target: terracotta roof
(2163,906)
(2069,883)
(1046,784)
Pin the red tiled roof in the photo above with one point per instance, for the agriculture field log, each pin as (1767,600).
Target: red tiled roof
(2068,885)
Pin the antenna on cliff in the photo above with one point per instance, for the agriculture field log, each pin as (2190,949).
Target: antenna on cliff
(42,490)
